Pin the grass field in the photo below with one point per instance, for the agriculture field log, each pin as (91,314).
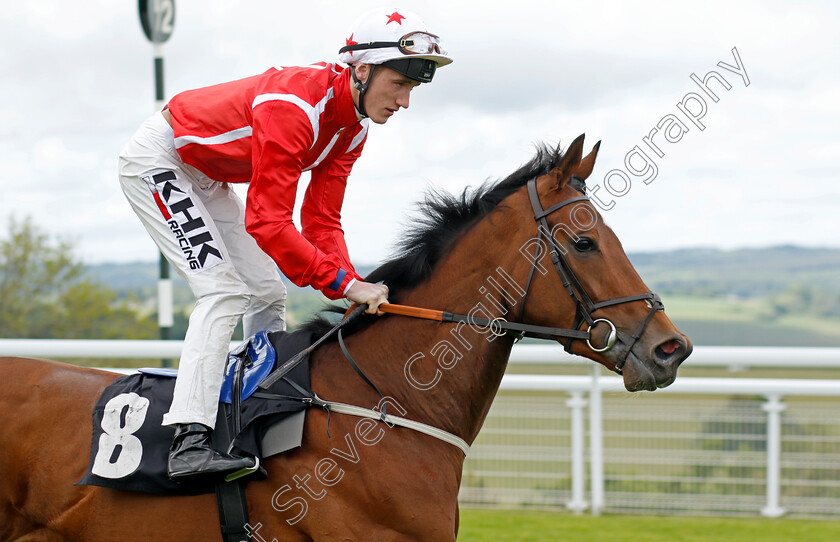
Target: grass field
(482,525)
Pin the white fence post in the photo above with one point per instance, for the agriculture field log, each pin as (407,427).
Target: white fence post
(596,443)
(774,408)
(577,403)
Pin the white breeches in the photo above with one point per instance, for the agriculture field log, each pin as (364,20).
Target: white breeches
(199,226)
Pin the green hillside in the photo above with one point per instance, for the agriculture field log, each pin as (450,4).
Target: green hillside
(776,296)
(744,273)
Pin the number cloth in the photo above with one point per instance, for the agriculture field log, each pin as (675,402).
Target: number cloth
(129,446)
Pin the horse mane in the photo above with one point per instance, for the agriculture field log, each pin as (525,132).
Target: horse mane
(443,217)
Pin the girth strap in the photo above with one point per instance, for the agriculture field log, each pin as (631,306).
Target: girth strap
(402,422)
(230,496)
(343,408)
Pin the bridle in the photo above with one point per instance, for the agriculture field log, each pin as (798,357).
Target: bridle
(499,326)
(585,305)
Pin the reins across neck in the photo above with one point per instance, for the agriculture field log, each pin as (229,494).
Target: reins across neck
(498,326)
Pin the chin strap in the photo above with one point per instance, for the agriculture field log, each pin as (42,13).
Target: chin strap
(362,87)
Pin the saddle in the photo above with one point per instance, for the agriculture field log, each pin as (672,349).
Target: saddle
(129,446)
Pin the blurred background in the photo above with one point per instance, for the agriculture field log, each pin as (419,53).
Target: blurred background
(734,223)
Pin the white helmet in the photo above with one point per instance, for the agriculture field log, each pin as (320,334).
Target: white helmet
(398,39)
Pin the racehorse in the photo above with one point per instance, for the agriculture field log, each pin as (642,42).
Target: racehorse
(528,250)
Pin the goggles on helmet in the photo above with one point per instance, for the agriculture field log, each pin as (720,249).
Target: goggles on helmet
(419,43)
(415,43)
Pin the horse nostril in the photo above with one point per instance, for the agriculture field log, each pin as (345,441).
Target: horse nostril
(669,352)
(669,347)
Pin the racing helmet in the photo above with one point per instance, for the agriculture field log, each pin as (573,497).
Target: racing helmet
(397,39)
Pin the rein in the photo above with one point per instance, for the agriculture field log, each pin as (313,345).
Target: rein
(499,326)
(585,307)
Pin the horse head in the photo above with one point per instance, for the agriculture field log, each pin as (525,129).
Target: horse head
(580,278)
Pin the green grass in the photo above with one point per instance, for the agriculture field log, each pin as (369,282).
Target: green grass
(483,525)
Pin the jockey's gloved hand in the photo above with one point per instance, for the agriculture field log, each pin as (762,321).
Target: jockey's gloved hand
(370,294)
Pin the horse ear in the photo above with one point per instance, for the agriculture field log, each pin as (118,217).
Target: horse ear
(584,169)
(569,161)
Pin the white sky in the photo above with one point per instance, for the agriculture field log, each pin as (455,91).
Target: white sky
(77,81)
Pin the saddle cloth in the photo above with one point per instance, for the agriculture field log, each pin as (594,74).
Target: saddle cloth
(129,446)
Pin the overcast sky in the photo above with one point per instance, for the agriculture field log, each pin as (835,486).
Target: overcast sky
(77,81)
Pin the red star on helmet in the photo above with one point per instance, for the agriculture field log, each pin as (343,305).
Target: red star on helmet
(395,18)
(349,41)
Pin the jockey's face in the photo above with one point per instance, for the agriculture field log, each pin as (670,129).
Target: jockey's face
(387,93)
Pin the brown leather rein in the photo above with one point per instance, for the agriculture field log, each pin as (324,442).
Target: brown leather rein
(498,326)
(584,305)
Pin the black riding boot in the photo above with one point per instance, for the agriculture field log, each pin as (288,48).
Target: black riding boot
(191,455)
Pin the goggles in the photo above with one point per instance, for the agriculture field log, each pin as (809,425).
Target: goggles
(415,43)
(419,43)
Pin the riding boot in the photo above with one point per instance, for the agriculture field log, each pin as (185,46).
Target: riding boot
(192,457)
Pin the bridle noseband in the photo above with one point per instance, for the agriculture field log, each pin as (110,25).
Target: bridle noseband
(499,326)
(585,305)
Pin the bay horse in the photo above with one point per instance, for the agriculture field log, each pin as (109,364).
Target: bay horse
(478,254)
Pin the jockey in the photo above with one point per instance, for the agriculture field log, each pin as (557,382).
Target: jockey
(266,130)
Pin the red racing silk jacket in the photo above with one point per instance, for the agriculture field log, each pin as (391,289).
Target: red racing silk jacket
(267,130)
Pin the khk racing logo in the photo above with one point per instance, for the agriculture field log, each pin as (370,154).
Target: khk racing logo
(193,236)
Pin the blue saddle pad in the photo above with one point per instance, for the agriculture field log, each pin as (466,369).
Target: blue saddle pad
(260,356)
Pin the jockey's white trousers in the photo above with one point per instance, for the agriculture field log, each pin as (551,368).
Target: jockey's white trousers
(198,224)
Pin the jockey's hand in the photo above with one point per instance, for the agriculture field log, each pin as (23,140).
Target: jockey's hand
(371,294)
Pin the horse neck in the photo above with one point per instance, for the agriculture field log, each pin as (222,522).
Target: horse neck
(447,374)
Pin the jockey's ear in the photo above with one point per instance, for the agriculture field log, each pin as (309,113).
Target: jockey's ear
(584,169)
(569,161)
(362,72)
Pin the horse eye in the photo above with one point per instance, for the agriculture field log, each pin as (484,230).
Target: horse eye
(585,244)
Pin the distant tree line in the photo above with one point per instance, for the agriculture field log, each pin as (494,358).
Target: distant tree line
(805,299)
(45,293)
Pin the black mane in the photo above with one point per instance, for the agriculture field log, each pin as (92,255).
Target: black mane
(443,218)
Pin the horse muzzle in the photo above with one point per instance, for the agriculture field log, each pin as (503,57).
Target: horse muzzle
(651,367)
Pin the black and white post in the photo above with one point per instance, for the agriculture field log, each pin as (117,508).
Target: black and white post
(157,17)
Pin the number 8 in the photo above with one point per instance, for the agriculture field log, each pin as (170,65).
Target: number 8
(115,434)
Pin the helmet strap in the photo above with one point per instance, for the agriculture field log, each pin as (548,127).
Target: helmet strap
(362,87)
